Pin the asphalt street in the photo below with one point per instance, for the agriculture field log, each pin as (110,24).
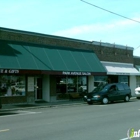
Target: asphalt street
(79,122)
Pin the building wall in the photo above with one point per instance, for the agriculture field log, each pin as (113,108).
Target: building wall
(90,83)
(102,50)
(132,84)
(136,60)
(30,97)
(110,53)
(53,94)
(114,54)
(46,88)
(30,90)
(12,100)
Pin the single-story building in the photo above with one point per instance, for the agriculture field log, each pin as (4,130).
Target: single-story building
(37,66)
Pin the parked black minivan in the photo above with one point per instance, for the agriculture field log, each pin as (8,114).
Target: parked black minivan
(109,93)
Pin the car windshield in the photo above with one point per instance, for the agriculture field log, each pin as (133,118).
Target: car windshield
(102,87)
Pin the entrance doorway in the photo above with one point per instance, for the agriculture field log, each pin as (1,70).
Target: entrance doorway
(38,88)
(112,78)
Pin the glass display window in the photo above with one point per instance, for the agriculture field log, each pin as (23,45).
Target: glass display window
(12,85)
(123,79)
(98,80)
(82,84)
(61,84)
(70,85)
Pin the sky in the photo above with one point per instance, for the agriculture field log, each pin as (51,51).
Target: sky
(76,19)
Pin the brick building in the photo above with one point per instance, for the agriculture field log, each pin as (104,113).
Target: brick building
(36,66)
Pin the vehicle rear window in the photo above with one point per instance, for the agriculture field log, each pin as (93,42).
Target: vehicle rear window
(126,86)
(120,87)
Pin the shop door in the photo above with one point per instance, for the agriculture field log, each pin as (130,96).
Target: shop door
(112,78)
(38,88)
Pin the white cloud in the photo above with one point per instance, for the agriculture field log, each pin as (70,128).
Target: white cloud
(100,27)
(123,32)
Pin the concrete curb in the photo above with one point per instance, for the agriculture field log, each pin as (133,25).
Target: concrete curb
(47,106)
(41,106)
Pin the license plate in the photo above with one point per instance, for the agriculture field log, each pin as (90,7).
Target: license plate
(88,100)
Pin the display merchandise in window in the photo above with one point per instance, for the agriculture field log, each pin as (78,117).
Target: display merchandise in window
(12,85)
(70,86)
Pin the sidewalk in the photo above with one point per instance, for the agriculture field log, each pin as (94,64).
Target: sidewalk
(23,106)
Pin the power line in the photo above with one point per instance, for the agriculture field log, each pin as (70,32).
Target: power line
(136,48)
(110,11)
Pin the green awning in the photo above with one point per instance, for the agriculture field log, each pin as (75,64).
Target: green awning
(40,57)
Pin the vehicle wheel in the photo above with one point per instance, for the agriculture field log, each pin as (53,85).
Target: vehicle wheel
(105,100)
(138,97)
(90,103)
(126,98)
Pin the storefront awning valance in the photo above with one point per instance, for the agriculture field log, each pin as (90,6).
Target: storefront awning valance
(120,68)
(48,58)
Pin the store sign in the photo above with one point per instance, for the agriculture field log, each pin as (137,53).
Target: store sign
(119,73)
(8,71)
(75,73)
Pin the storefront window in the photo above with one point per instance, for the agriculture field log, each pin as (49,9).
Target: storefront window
(82,84)
(12,85)
(70,85)
(98,80)
(61,84)
(123,79)
(61,87)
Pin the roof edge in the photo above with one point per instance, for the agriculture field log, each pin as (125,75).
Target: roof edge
(103,44)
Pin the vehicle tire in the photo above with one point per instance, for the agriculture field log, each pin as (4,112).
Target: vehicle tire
(105,100)
(126,98)
(90,103)
(138,97)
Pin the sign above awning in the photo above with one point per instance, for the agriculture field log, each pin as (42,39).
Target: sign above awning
(114,68)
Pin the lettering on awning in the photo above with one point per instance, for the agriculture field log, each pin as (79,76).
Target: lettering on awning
(9,71)
(75,73)
(119,73)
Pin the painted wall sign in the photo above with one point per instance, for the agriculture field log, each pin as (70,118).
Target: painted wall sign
(75,73)
(8,71)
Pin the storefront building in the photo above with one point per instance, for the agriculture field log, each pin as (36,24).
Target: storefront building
(137,66)
(119,64)
(43,67)
(30,72)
